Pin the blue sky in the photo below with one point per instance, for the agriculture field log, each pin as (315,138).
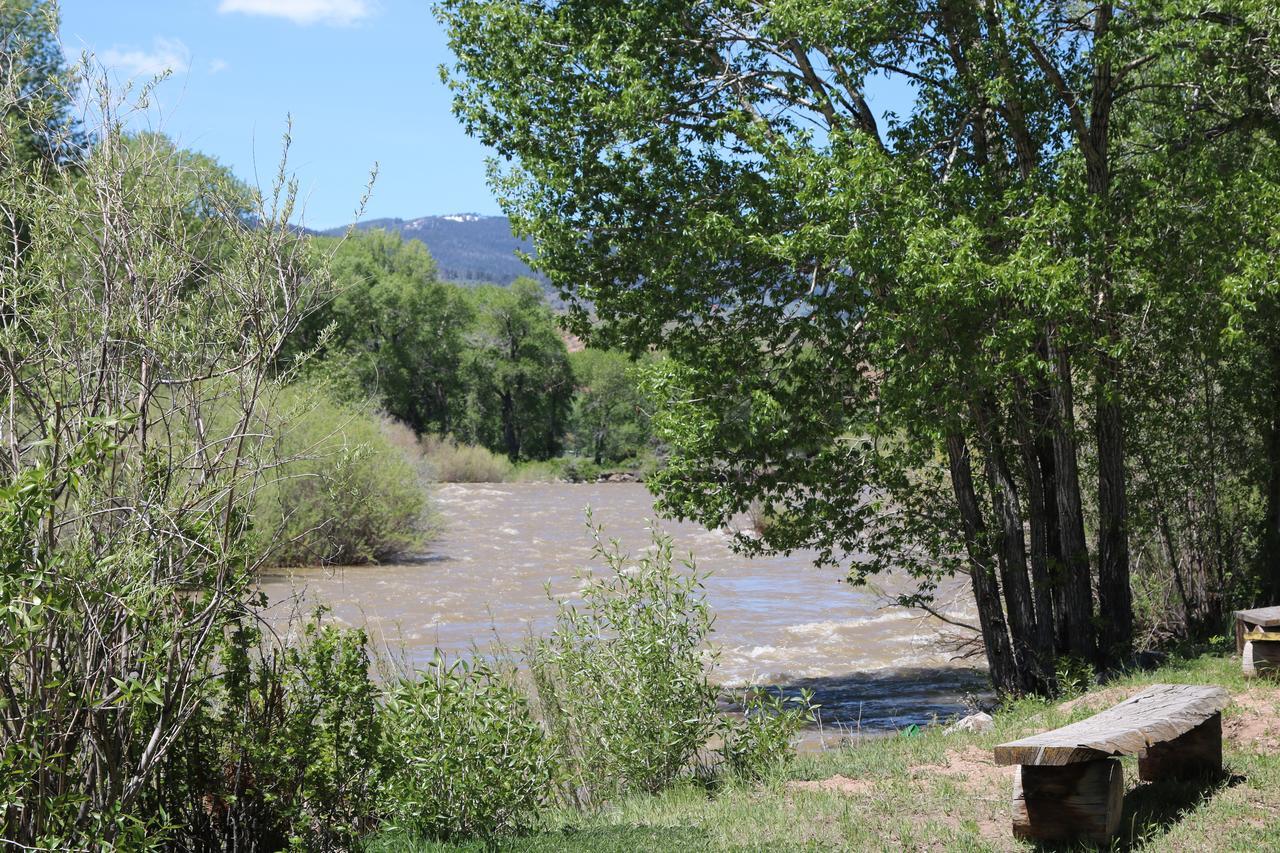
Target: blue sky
(359,78)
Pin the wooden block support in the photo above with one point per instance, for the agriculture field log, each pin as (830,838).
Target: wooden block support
(1068,802)
(1260,658)
(1195,754)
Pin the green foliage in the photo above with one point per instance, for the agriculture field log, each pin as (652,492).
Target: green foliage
(763,741)
(520,381)
(622,681)
(608,422)
(484,364)
(133,392)
(911,794)
(883,328)
(452,462)
(1074,676)
(392,332)
(36,82)
(463,754)
(286,756)
(342,492)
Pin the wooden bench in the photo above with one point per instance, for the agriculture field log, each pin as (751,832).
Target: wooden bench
(1258,640)
(1068,784)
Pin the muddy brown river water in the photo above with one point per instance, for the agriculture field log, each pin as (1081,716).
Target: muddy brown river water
(779,620)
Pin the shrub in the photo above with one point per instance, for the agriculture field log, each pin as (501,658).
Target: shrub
(287,754)
(764,739)
(344,492)
(622,681)
(463,753)
(147,296)
(451,462)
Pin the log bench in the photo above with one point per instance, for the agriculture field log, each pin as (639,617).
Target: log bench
(1068,784)
(1258,640)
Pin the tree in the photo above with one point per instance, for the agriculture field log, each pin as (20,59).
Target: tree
(885,330)
(608,420)
(518,372)
(36,82)
(393,330)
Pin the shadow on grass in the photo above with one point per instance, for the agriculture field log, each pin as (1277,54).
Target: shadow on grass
(1151,810)
(1154,808)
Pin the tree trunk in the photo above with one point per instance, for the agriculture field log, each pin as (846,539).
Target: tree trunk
(1031,660)
(509,436)
(986,592)
(1115,604)
(1077,596)
(1042,408)
(1039,512)
(1269,571)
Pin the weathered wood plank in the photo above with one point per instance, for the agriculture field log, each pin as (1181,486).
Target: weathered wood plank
(1194,754)
(1156,715)
(1062,803)
(1262,636)
(1263,617)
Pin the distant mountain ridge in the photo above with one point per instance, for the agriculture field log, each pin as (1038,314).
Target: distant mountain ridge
(468,248)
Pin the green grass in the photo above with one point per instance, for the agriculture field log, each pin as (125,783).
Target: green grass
(937,791)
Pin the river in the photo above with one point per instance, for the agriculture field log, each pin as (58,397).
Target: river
(779,620)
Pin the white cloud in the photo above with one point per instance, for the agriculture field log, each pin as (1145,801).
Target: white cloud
(333,12)
(165,55)
(217,66)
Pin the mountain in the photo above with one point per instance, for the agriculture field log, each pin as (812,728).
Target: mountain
(468,248)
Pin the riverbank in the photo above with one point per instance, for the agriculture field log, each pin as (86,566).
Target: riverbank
(934,790)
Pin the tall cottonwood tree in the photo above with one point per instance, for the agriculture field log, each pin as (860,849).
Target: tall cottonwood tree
(848,298)
(520,384)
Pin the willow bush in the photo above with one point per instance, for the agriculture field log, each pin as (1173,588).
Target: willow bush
(463,753)
(143,300)
(623,683)
(344,492)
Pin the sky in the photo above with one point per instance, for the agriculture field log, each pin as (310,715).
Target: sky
(359,78)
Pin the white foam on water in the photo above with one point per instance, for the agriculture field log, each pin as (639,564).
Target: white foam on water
(830,627)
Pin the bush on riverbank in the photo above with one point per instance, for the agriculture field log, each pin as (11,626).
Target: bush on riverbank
(463,754)
(936,790)
(453,462)
(344,491)
(622,679)
(623,684)
(283,754)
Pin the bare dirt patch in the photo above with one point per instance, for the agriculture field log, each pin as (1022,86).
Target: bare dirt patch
(974,769)
(972,766)
(1255,725)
